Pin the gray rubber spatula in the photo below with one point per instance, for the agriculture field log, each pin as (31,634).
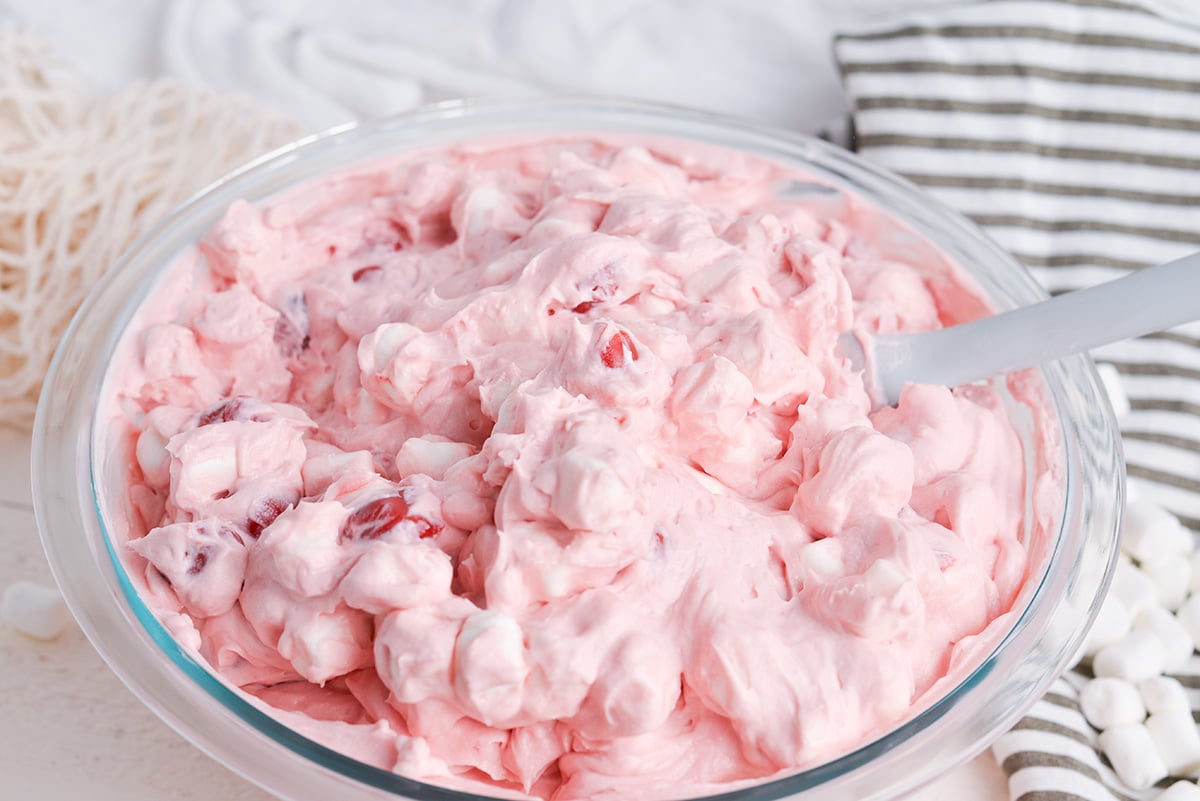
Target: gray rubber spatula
(1148,300)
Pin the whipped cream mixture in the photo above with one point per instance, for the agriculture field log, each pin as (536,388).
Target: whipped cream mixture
(531,467)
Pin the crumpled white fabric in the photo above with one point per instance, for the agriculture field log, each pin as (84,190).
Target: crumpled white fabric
(330,62)
(325,62)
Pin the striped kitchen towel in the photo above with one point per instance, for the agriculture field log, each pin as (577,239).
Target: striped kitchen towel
(1070,131)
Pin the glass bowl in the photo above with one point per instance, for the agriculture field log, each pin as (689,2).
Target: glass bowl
(1051,615)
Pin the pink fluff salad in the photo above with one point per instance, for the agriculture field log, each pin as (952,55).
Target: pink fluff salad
(530,468)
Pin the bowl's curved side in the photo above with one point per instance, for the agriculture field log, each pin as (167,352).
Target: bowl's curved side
(69,436)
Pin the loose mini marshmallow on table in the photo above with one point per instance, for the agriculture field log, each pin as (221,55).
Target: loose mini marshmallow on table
(1153,592)
(1160,693)
(1194,580)
(1152,534)
(35,610)
(1176,740)
(1170,577)
(1180,791)
(1138,655)
(1133,755)
(1175,638)
(1189,617)
(1108,702)
(1133,587)
(1113,622)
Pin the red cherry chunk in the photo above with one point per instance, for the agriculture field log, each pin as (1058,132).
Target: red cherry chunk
(239,407)
(619,348)
(199,560)
(290,340)
(263,514)
(222,412)
(604,287)
(372,520)
(363,272)
(291,328)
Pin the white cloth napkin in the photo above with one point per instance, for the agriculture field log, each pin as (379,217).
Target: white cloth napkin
(324,63)
(1070,131)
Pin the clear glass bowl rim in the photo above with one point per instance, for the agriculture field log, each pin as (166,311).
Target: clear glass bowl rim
(175,686)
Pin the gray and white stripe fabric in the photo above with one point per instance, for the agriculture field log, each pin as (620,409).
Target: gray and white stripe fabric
(1069,130)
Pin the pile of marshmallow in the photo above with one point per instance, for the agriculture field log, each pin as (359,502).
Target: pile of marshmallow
(1148,626)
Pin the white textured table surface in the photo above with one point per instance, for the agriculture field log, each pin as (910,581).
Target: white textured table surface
(70,730)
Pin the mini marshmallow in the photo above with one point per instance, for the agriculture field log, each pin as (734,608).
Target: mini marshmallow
(1183,539)
(1176,738)
(1109,702)
(1170,578)
(35,610)
(1188,616)
(1138,655)
(1161,693)
(1111,380)
(1194,581)
(1133,588)
(1152,534)
(1180,791)
(1113,621)
(1133,755)
(431,455)
(1176,640)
